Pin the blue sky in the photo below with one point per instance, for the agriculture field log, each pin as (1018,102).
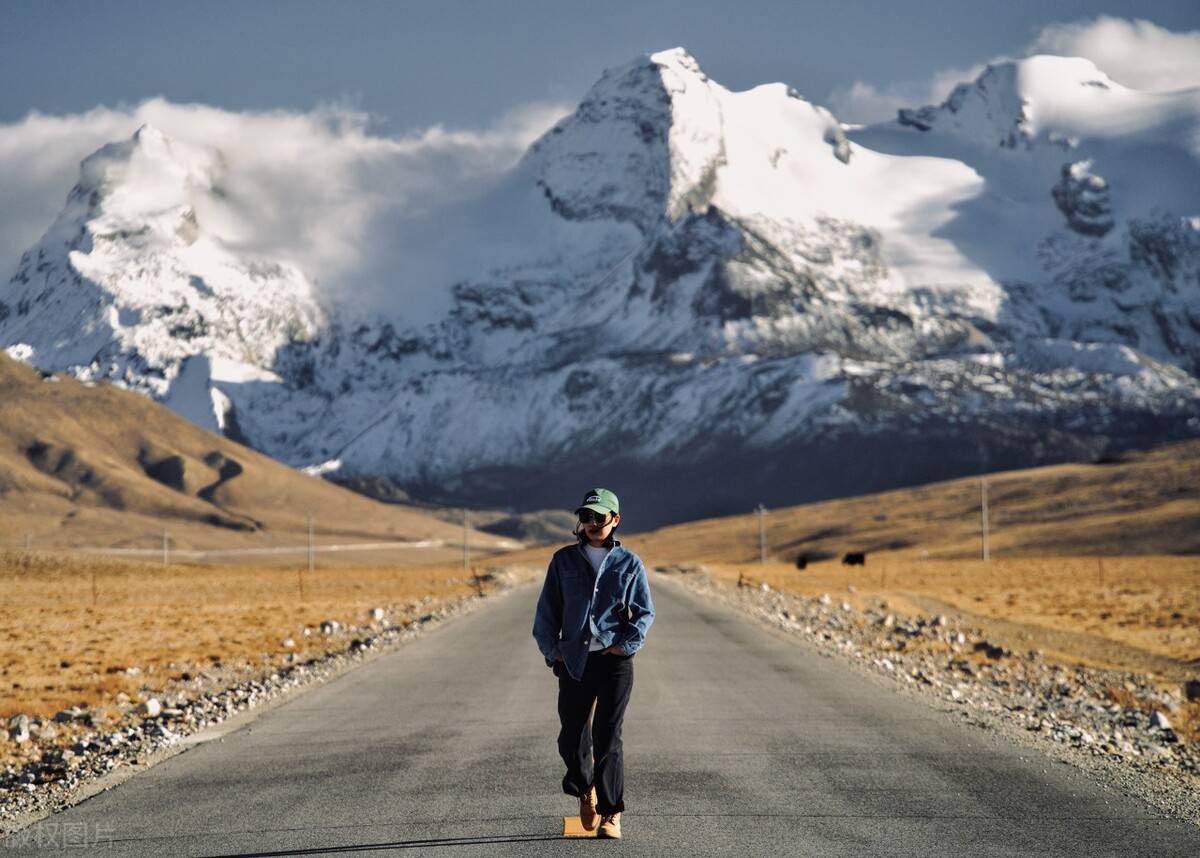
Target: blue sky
(413,64)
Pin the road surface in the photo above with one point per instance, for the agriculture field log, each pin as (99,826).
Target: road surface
(738,741)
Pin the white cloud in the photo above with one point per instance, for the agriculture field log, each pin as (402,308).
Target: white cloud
(1139,54)
(310,188)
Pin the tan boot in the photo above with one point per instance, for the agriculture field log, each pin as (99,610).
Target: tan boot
(610,826)
(588,816)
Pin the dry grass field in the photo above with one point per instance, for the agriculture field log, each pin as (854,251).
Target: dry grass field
(106,634)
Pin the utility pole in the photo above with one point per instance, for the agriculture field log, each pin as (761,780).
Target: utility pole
(762,534)
(166,553)
(311,547)
(983,514)
(466,539)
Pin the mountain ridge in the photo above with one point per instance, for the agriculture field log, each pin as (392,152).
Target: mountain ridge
(711,297)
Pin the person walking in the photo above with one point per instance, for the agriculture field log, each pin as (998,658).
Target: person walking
(592,617)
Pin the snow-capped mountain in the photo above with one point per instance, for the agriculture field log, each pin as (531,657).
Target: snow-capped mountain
(705,298)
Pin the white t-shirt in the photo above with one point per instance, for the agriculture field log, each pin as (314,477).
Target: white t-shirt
(595,556)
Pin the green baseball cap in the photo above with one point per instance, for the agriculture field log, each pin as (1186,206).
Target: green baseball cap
(600,500)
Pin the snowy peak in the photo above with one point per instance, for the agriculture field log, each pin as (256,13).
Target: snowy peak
(644,142)
(149,180)
(1057,100)
(127,285)
(652,141)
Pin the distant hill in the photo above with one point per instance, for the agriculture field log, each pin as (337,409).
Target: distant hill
(100,466)
(1135,503)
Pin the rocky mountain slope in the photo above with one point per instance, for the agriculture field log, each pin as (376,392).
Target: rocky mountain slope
(704,298)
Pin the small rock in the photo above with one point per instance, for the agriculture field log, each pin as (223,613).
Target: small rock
(889,621)
(18,728)
(150,708)
(824,599)
(288,643)
(1191,689)
(44,732)
(376,614)
(765,587)
(1159,721)
(329,627)
(845,606)
(991,650)
(941,620)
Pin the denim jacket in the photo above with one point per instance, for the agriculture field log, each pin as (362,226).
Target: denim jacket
(616,599)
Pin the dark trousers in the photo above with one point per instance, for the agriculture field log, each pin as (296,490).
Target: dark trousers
(607,682)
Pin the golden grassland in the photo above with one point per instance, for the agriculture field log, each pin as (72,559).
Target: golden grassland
(1144,503)
(71,628)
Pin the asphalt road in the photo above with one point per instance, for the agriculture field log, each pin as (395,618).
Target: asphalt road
(738,741)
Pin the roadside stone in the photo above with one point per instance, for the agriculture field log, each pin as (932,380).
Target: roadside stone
(991,650)
(150,707)
(1159,721)
(18,728)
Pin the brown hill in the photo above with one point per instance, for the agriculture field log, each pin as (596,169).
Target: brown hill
(96,465)
(1138,503)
